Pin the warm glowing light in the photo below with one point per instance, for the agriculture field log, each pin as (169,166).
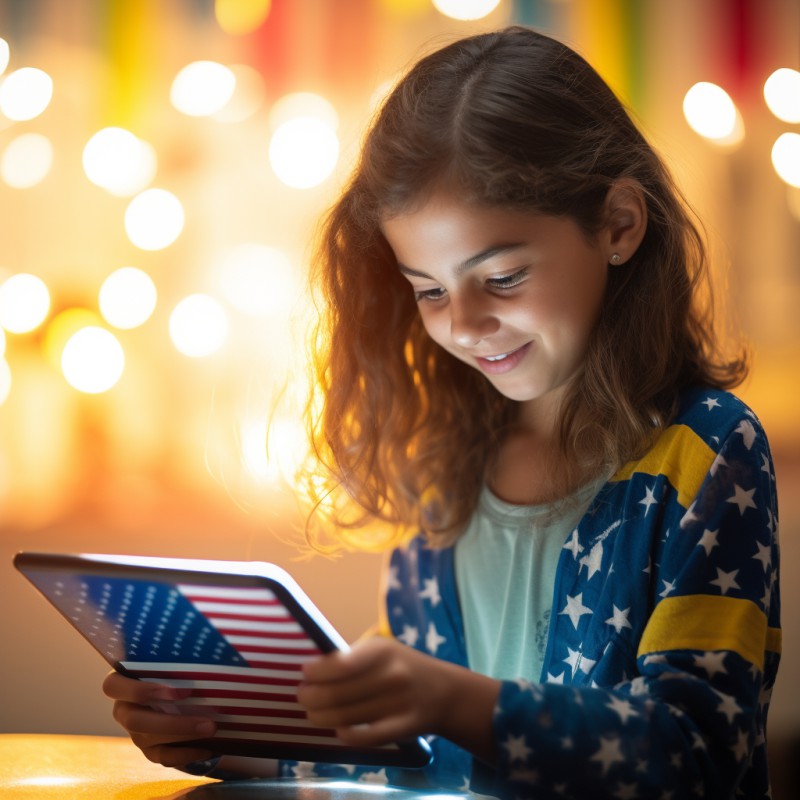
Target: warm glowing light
(247,97)
(276,452)
(303,104)
(258,280)
(24,303)
(202,88)
(154,219)
(711,112)
(5,380)
(786,158)
(466,9)
(61,329)
(782,94)
(26,160)
(198,326)
(119,161)
(127,298)
(93,360)
(25,93)
(239,17)
(303,152)
(2,342)
(793,200)
(4,55)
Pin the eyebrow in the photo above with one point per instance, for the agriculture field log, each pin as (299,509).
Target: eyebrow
(470,263)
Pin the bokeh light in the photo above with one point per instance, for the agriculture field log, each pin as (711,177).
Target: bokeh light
(198,326)
(303,152)
(202,88)
(466,9)
(119,161)
(275,451)
(782,94)
(5,54)
(24,303)
(258,280)
(711,112)
(5,380)
(303,104)
(154,219)
(61,329)
(239,17)
(26,160)
(127,298)
(25,93)
(248,95)
(786,158)
(93,360)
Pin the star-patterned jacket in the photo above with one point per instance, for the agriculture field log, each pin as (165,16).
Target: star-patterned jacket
(664,637)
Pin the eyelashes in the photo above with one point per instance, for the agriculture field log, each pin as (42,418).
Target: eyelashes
(503,283)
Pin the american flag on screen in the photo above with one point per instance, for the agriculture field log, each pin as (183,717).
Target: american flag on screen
(237,648)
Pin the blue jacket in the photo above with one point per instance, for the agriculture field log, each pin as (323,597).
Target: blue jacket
(664,637)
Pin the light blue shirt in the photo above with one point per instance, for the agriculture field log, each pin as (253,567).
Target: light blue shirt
(505,570)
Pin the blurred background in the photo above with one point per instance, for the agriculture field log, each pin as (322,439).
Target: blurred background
(162,169)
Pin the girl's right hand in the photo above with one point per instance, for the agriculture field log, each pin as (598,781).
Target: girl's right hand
(152,730)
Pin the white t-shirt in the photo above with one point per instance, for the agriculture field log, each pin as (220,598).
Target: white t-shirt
(505,565)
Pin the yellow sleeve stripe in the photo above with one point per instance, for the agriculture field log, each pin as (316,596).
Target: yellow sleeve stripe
(681,455)
(708,622)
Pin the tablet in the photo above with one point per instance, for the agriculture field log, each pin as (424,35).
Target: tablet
(235,633)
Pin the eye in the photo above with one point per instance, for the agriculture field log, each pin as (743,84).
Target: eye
(509,281)
(429,294)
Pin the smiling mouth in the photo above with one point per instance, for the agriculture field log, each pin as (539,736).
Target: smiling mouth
(504,361)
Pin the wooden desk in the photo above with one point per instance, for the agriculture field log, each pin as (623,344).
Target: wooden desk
(53,767)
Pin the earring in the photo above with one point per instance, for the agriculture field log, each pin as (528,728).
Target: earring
(615,258)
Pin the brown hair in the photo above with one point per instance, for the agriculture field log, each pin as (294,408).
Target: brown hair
(510,119)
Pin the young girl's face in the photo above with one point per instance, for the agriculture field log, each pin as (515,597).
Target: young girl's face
(513,294)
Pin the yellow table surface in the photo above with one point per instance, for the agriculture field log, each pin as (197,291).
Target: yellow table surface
(61,767)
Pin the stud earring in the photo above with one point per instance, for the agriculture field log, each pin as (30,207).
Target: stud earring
(615,258)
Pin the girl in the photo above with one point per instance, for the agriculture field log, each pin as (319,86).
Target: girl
(517,376)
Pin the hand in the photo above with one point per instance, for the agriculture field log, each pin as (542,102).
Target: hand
(152,730)
(383,691)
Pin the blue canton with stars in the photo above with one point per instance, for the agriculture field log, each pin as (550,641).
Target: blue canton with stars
(664,636)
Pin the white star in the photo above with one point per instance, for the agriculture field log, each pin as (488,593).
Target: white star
(518,750)
(622,707)
(392,581)
(712,662)
(626,791)
(765,465)
(593,560)
(708,541)
(748,433)
(711,402)
(619,619)
(726,580)
(698,743)
(573,545)
(742,747)
(410,635)
(433,640)
(648,500)
(374,777)
(689,517)
(555,678)
(764,555)
(431,591)
(575,609)
(573,658)
(728,706)
(742,498)
(668,587)
(608,754)
(304,769)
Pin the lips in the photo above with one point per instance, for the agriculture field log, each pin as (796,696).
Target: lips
(503,362)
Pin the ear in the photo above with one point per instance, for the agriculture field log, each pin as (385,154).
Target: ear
(626,220)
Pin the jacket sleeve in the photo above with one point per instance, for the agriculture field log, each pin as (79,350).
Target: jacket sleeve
(689,719)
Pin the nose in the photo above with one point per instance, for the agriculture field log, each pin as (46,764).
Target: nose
(471,320)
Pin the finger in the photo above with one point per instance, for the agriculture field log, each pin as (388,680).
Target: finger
(335,667)
(363,712)
(383,731)
(174,756)
(120,687)
(161,727)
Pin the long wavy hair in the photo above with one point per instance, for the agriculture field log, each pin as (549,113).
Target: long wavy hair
(402,431)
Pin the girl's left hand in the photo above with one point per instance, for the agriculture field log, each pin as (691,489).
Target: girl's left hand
(383,691)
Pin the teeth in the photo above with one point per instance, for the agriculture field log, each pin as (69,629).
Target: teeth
(497,358)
